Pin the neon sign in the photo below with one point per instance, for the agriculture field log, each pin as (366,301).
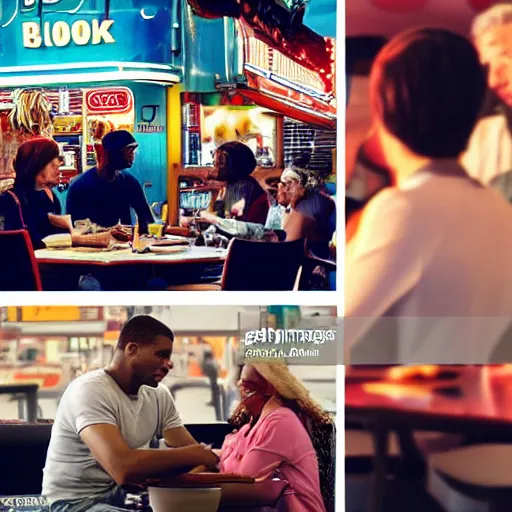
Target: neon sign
(109,101)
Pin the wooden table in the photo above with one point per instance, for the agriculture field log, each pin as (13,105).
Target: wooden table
(133,270)
(478,400)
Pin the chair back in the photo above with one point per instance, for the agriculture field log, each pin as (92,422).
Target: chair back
(262,266)
(20,270)
(326,454)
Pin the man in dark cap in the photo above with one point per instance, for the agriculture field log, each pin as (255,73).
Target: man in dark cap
(105,194)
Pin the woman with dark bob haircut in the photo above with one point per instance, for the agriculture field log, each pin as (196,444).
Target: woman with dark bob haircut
(31,203)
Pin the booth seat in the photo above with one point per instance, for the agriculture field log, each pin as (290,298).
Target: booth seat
(23,450)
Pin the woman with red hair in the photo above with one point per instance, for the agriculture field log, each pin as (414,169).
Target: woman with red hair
(31,204)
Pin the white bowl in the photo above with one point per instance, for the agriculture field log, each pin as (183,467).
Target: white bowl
(165,499)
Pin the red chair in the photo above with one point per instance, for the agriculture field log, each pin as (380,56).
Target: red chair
(19,272)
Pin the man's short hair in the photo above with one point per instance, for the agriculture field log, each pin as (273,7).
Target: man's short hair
(497,15)
(143,330)
(117,140)
(426,87)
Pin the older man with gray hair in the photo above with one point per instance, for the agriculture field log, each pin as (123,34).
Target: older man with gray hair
(489,154)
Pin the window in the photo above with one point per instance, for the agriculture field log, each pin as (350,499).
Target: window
(51,346)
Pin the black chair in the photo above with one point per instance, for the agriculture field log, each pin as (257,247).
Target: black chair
(262,266)
(308,279)
(23,453)
(21,272)
(257,266)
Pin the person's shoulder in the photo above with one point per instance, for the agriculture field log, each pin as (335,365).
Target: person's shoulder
(129,180)
(83,179)
(91,380)
(489,130)
(128,176)
(282,415)
(161,394)
(6,198)
(161,390)
(390,197)
(283,420)
(250,183)
(389,203)
(488,123)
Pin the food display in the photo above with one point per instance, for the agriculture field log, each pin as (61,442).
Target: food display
(207,127)
(67,125)
(98,128)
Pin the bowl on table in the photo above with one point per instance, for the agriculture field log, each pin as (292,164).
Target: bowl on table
(203,499)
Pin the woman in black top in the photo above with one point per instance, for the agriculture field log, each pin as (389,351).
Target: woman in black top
(31,203)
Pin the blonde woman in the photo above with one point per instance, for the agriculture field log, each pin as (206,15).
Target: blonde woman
(280,432)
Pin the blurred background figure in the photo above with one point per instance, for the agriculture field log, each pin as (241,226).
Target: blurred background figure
(489,154)
(409,260)
(211,370)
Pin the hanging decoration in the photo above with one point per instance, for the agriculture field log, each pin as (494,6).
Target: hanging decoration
(31,113)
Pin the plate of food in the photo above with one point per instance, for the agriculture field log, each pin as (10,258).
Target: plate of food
(170,242)
(168,249)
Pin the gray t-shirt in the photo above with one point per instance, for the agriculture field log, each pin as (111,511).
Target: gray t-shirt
(71,472)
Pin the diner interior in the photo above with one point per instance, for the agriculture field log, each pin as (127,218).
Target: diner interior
(189,255)
(43,349)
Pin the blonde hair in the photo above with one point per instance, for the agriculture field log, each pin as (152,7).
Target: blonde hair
(497,15)
(290,388)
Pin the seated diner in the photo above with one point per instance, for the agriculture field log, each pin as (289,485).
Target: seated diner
(281,432)
(32,204)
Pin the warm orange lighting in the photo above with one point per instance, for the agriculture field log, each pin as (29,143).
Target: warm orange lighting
(396,391)
(406,372)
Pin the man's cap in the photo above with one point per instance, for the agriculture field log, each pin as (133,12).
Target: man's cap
(118,139)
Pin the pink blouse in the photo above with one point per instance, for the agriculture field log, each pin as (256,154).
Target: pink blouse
(277,437)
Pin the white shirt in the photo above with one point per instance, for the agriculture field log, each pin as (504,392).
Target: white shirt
(436,246)
(489,152)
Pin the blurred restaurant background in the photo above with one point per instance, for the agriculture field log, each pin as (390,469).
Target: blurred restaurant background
(49,346)
(428,438)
